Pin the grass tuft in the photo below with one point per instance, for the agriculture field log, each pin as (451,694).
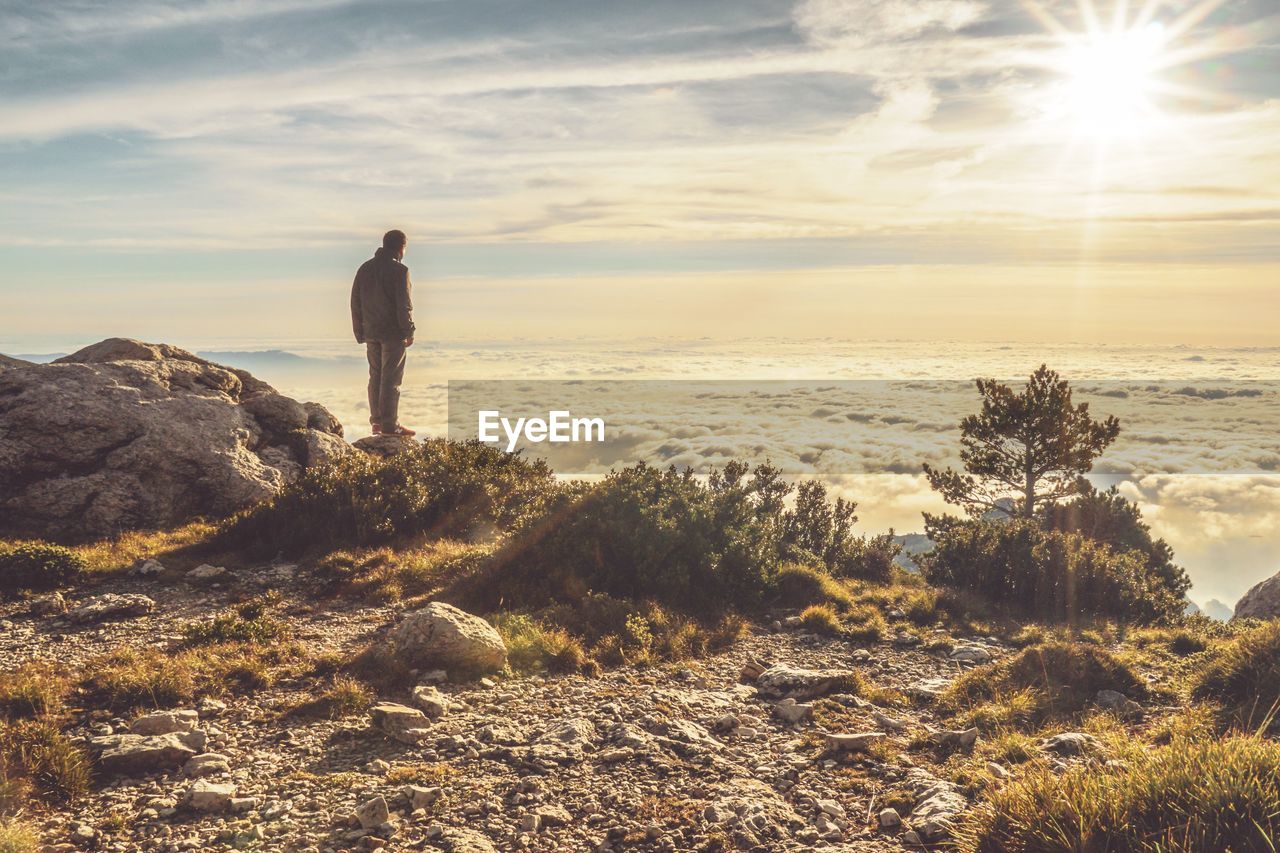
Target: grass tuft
(1243,675)
(1205,795)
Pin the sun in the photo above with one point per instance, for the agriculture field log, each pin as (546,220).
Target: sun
(1111,81)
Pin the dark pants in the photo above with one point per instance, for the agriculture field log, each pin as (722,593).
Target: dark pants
(386,370)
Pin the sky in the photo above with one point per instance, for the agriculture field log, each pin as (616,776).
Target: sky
(927,169)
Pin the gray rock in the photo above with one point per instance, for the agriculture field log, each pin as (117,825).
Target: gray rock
(886,722)
(385,445)
(782,680)
(164,722)
(205,574)
(405,724)
(111,605)
(146,568)
(420,797)
(432,702)
(890,819)
(126,435)
(206,764)
(373,813)
(1262,601)
(939,804)
(442,635)
(792,712)
(1070,743)
(962,739)
(211,797)
(462,840)
(852,742)
(970,653)
(1117,703)
(134,754)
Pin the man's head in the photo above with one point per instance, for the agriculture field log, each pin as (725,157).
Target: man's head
(394,242)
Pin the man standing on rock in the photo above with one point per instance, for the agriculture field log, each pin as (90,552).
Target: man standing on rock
(382,316)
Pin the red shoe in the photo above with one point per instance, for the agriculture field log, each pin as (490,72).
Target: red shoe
(401,431)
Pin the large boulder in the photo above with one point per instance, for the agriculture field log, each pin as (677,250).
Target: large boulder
(127,435)
(441,635)
(1261,602)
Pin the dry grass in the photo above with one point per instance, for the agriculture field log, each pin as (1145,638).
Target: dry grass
(341,696)
(33,689)
(426,773)
(1188,795)
(821,619)
(151,678)
(1243,676)
(533,646)
(43,761)
(16,837)
(176,548)
(1051,681)
(385,575)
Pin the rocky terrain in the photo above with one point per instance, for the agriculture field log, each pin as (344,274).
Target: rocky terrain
(723,750)
(124,434)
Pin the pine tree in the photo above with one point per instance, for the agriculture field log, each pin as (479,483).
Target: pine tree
(1024,451)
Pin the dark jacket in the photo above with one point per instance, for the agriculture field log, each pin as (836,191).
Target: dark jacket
(381,300)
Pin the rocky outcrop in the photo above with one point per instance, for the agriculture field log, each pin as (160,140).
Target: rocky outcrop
(1261,602)
(128,435)
(444,636)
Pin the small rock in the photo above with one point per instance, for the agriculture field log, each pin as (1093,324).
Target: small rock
(529,823)
(1070,743)
(405,724)
(146,568)
(205,574)
(857,742)
(887,722)
(210,796)
(373,813)
(420,797)
(432,702)
(997,770)
(164,722)
(963,739)
(971,654)
(111,605)
(890,819)
(206,764)
(751,669)
(1117,703)
(52,604)
(792,712)
(784,681)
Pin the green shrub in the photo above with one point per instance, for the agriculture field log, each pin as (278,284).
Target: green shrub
(533,646)
(1051,681)
(1244,675)
(1048,575)
(249,621)
(35,567)
(1187,795)
(438,489)
(1108,518)
(869,558)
